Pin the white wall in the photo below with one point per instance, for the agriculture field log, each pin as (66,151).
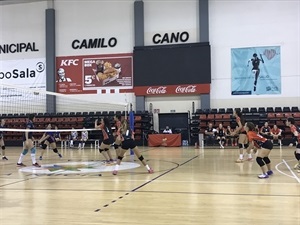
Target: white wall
(171,16)
(237,24)
(23,23)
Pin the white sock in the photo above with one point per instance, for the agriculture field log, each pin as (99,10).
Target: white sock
(21,158)
(83,144)
(117,167)
(33,158)
(249,156)
(148,167)
(241,156)
(79,145)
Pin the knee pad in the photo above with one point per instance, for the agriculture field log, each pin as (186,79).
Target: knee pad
(297,155)
(260,161)
(246,145)
(106,149)
(55,150)
(3,147)
(120,158)
(267,160)
(32,150)
(25,151)
(241,146)
(141,158)
(44,146)
(101,150)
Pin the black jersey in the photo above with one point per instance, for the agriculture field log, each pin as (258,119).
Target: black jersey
(29,125)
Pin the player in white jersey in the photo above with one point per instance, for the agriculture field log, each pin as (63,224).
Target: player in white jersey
(74,136)
(84,138)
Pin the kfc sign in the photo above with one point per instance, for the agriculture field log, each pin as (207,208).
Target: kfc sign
(157,91)
(185,89)
(172,89)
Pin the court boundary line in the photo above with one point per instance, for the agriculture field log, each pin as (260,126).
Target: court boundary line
(292,172)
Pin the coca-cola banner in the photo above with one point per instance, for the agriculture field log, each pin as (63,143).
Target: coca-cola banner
(91,73)
(183,89)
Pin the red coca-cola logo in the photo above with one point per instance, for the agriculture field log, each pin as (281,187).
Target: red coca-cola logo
(186,89)
(157,90)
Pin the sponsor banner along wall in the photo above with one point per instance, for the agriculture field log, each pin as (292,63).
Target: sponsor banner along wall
(183,89)
(94,73)
(20,83)
(256,71)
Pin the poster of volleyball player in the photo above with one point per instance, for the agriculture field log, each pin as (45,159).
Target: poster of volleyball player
(255,71)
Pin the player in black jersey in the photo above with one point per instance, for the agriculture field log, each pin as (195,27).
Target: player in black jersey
(128,142)
(28,143)
(255,67)
(2,144)
(220,135)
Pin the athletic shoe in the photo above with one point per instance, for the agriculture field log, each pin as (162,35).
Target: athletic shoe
(297,166)
(150,170)
(20,164)
(263,176)
(270,172)
(36,165)
(4,158)
(41,158)
(59,155)
(298,171)
(115,172)
(239,161)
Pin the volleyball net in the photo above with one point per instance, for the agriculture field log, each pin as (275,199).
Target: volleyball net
(72,113)
(17,99)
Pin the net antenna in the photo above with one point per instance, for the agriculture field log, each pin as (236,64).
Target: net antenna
(18,99)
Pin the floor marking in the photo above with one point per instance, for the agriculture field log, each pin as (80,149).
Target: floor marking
(292,172)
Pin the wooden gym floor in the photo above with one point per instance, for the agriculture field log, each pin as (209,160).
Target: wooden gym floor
(189,186)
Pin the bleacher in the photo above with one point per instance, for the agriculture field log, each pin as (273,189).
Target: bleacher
(260,115)
(69,120)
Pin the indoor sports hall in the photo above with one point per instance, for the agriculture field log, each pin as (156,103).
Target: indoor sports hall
(149,112)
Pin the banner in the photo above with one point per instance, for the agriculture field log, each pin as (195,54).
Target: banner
(89,74)
(28,73)
(20,78)
(184,89)
(255,71)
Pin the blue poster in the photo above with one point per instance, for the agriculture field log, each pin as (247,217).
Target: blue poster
(255,71)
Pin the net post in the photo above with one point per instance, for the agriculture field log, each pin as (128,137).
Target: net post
(131,123)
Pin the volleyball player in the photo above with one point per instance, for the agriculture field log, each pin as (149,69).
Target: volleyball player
(28,143)
(264,147)
(128,142)
(107,138)
(48,139)
(276,134)
(255,67)
(2,144)
(74,136)
(83,139)
(243,140)
(118,141)
(220,135)
(290,122)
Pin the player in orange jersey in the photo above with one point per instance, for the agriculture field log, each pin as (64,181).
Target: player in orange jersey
(290,122)
(264,147)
